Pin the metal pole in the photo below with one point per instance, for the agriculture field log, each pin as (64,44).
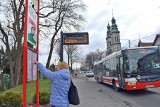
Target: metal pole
(129,43)
(37,50)
(61,47)
(76,66)
(25,49)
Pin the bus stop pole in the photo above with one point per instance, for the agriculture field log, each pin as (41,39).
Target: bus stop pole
(61,47)
(37,50)
(25,57)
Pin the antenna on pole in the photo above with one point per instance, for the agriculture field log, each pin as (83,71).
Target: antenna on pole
(139,37)
(108,2)
(108,19)
(112,12)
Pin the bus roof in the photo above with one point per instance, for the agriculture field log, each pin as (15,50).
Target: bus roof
(140,47)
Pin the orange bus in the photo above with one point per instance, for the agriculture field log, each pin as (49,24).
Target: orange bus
(130,69)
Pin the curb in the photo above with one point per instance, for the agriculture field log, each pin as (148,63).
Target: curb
(113,97)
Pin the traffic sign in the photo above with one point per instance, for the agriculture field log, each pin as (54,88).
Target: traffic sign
(35,3)
(32,26)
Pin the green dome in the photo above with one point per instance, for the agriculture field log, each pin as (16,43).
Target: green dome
(114,28)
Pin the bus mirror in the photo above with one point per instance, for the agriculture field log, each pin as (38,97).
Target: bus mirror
(138,64)
(127,66)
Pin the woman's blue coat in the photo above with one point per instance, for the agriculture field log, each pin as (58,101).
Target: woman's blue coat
(60,85)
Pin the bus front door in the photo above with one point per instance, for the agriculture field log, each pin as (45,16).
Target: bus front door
(121,73)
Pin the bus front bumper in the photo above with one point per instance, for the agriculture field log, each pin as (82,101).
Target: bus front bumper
(142,85)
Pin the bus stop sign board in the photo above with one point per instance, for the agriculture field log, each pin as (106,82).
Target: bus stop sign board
(75,38)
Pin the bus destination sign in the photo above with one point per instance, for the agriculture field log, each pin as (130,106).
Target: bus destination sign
(75,38)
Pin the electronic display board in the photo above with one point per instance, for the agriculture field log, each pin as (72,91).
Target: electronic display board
(75,38)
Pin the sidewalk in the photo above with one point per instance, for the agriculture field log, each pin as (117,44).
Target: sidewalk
(92,95)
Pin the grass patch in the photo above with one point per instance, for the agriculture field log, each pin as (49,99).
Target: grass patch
(44,86)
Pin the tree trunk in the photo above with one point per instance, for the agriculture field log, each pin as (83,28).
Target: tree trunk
(11,71)
(57,28)
(50,53)
(2,85)
(18,70)
(71,65)
(18,63)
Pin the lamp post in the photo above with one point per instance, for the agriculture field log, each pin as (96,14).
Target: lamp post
(128,42)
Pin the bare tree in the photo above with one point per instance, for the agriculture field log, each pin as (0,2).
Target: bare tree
(61,14)
(72,53)
(11,30)
(57,46)
(93,57)
(3,59)
(71,50)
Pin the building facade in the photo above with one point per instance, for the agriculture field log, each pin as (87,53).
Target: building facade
(156,42)
(113,38)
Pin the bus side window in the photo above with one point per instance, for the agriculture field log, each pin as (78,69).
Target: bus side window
(118,67)
(101,67)
(107,65)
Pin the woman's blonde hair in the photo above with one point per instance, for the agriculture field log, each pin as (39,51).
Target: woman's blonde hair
(63,65)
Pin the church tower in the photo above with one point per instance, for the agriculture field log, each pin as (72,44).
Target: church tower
(113,37)
(108,39)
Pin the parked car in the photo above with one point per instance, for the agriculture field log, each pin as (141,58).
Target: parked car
(89,74)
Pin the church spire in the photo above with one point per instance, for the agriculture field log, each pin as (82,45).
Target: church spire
(108,30)
(114,28)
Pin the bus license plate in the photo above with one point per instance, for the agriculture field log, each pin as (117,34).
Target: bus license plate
(149,86)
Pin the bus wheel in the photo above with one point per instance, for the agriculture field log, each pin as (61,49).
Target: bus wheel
(114,86)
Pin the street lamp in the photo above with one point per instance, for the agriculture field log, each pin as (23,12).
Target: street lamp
(128,42)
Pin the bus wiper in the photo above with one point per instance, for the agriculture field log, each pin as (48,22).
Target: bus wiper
(144,72)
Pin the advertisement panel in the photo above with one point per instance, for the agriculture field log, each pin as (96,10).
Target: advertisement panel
(32,68)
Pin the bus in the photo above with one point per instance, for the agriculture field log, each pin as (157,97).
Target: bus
(130,69)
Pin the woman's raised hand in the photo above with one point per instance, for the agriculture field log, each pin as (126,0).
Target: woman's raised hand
(35,62)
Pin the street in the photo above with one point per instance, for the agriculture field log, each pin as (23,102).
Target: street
(93,94)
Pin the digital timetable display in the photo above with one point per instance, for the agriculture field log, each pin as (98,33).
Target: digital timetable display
(76,38)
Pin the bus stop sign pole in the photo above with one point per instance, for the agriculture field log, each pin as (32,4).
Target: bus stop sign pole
(61,47)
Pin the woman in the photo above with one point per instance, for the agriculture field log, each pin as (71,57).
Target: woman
(60,84)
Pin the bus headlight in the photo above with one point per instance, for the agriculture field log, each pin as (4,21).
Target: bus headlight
(132,83)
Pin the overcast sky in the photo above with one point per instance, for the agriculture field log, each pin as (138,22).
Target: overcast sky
(135,19)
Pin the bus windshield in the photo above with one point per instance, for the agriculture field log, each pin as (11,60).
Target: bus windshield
(143,60)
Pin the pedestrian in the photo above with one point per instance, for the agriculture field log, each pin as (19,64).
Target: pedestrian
(60,83)
(86,77)
(75,74)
